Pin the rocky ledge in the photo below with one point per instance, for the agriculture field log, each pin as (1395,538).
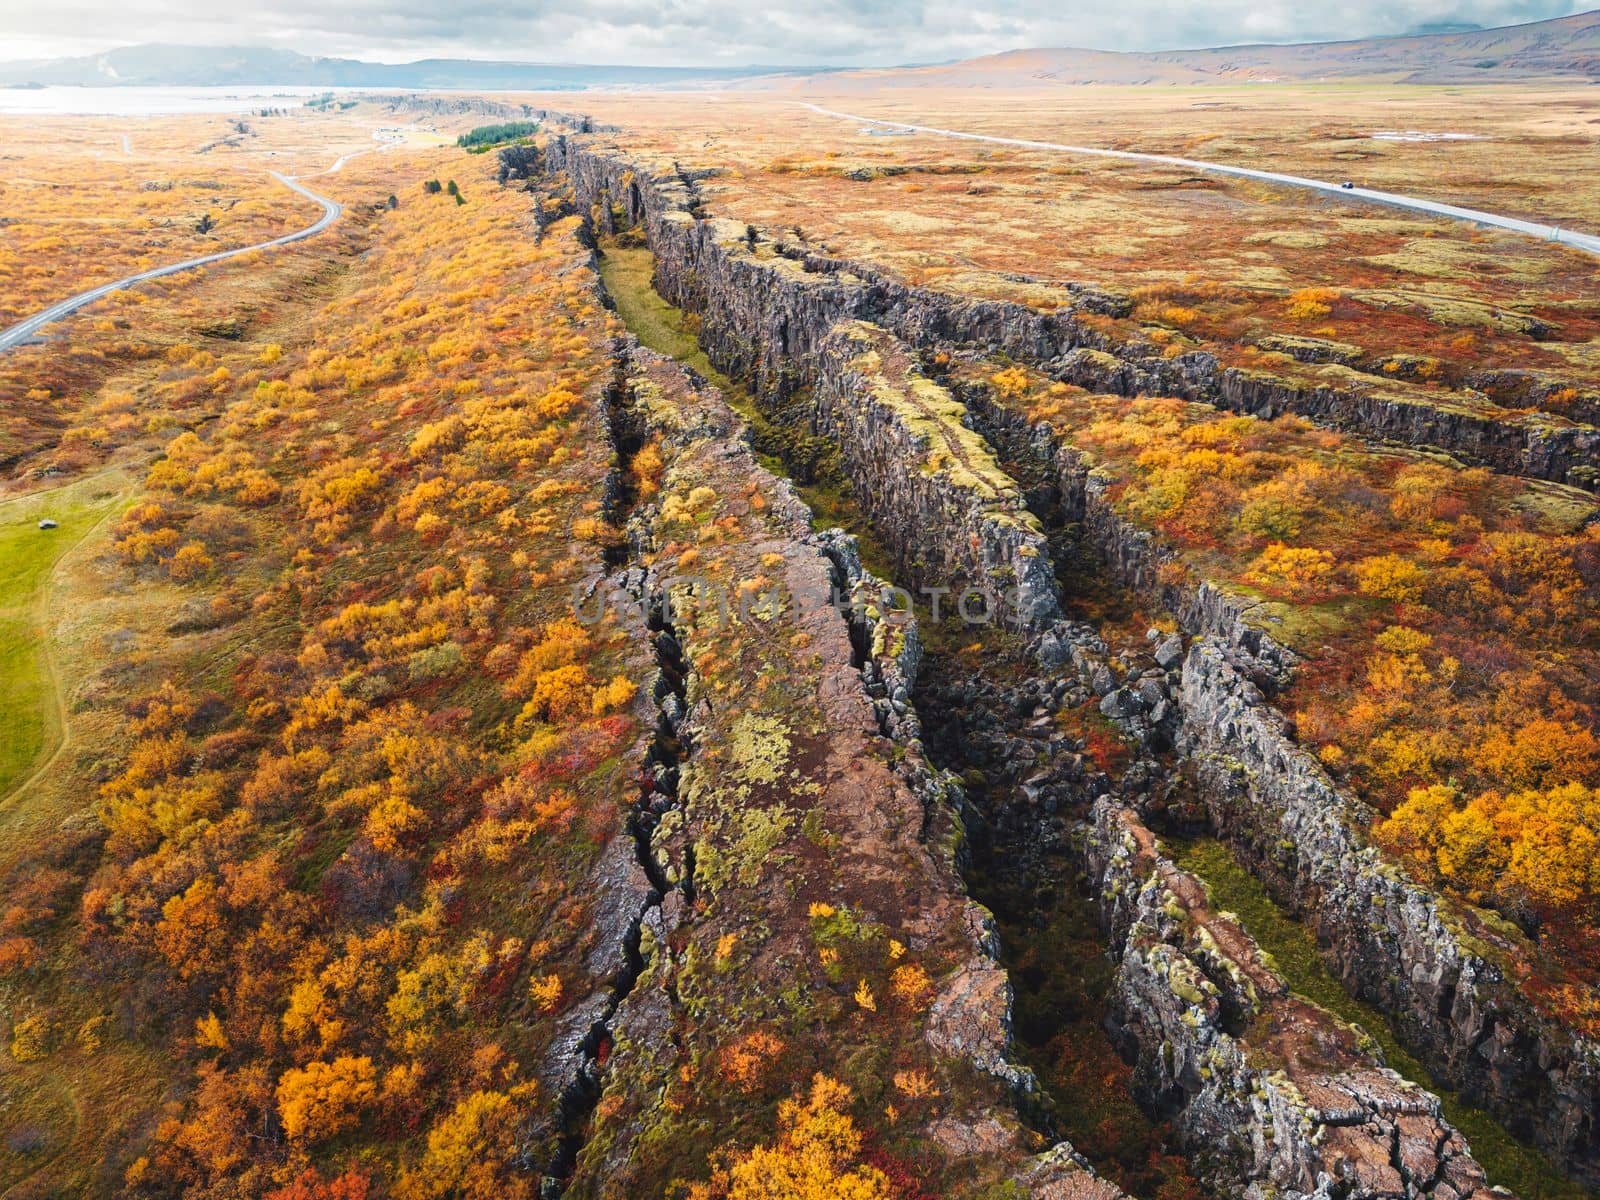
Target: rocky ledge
(1433,966)
(797,796)
(1273,1095)
(767,304)
(1416,956)
(931,486)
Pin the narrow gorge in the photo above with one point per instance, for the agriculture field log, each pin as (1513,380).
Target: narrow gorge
(1063,730)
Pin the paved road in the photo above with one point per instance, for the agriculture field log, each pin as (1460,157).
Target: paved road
(24,330)
(1550,233)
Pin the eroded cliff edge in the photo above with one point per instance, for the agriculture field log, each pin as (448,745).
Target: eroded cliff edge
(766,333)
(767,314)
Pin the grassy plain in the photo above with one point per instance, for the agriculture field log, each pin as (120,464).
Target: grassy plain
(1211,263)
(30,705)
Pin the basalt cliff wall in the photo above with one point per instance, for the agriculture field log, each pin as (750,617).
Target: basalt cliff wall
(953,519)
(1434,967)
(855,781)
(769,303)
(785,323)
(1286,1099)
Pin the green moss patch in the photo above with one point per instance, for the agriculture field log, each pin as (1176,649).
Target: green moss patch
(1294,952)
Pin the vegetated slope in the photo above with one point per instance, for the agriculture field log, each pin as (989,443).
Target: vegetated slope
(402,884)
(339,872)
(1566,47)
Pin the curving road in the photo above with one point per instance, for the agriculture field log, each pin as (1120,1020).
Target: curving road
(1550,233)
(21,332)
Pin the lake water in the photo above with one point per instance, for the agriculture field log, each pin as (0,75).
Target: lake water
(154,101)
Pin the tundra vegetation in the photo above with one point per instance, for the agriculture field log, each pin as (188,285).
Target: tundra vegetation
(316,894)
(1448,619)
(324,876)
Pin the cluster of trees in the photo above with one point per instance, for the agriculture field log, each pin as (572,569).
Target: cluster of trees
(1450,615)
(484,137)
(1540,843)
(340,876)
(434,188)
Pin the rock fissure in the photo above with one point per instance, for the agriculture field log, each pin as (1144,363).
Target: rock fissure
(1393,943)
(656,783)
(791,296)
(701,441)
(830,366)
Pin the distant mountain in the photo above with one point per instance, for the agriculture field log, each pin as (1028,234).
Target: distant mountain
(208,66)
(1567,47)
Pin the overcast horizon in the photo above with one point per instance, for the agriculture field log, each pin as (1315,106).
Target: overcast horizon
(725,33)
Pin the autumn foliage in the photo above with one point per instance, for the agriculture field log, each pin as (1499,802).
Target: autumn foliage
(1449,614)
(340,876)
(817,1156)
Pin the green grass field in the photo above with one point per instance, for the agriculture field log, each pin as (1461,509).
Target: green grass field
(628,272)
(29,711)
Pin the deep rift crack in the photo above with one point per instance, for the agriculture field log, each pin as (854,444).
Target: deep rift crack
(655,781)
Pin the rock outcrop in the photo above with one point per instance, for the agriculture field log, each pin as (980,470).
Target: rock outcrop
(951,516)
(1277,1097)
(795,785)
(1269,1095)
(1431,965)
(770,313)
(768,304)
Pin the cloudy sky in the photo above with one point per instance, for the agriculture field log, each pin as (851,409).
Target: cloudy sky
(724,32)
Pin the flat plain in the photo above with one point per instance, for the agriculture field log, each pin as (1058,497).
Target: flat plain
(346,858)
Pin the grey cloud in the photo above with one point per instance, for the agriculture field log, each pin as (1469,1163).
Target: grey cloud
(723,32)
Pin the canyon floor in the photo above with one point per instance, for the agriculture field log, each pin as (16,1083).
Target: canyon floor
(691,647)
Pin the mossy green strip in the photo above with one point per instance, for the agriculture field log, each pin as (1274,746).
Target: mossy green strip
(1293,947)
(629,275)
(28,723)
